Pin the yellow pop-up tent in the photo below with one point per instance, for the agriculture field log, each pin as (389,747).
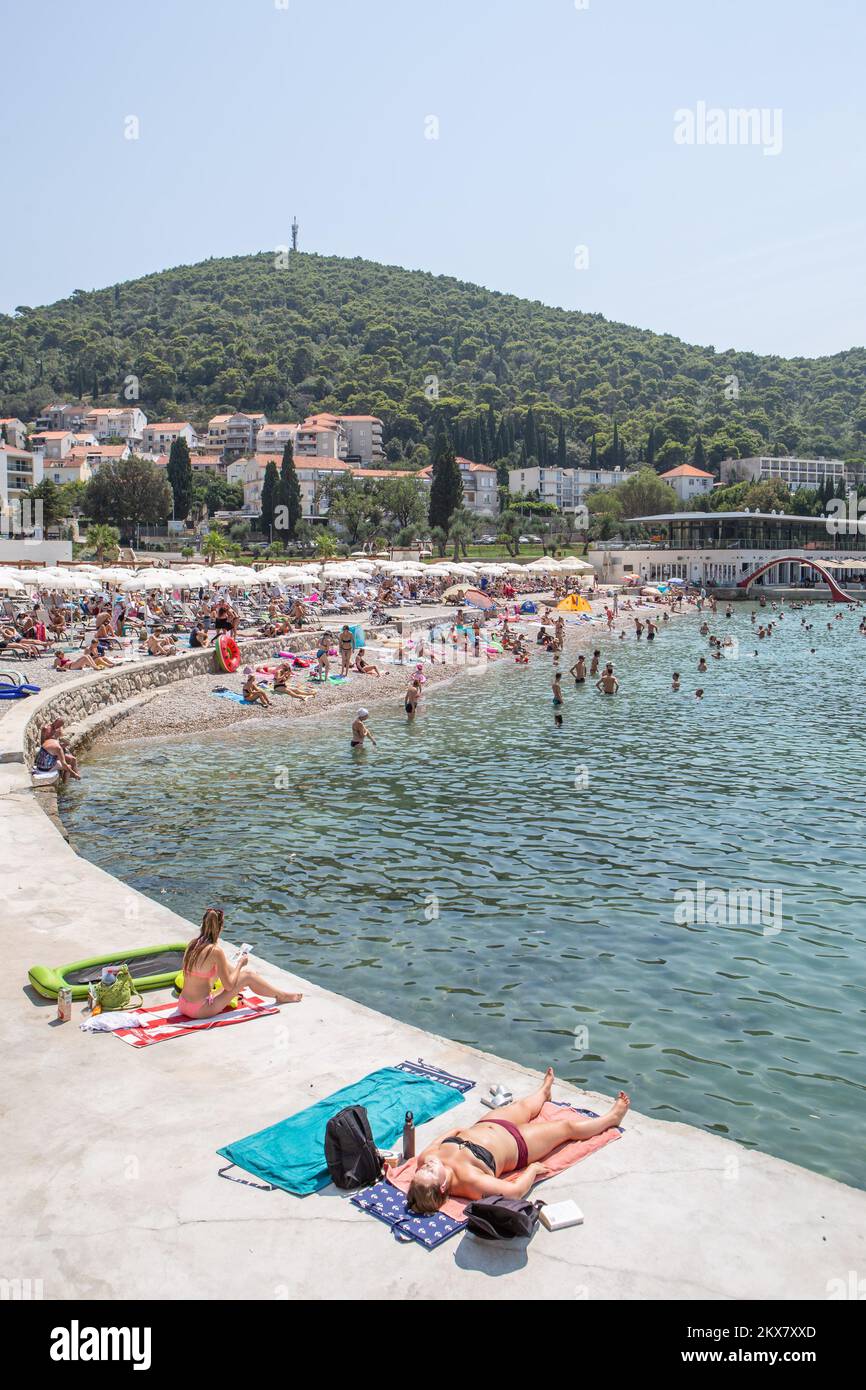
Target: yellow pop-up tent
(575,603)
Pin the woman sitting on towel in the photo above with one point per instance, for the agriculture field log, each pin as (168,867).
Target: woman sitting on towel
(284,684)
(471,1163)
(205,961)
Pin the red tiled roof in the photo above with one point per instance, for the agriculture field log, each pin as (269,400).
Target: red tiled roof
(685,470)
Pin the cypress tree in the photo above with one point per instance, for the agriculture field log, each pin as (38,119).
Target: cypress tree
(651,446)
(699,458)
(289,493)
(530,435)
(593,454)
(561,456)
(270,489)
(446,488)
(179,473)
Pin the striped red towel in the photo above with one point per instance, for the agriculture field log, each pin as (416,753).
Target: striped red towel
(161,1022)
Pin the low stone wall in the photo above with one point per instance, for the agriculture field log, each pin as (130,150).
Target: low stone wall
(85,697)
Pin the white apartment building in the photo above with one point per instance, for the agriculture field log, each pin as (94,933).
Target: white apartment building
(117,422)
(793,472)
(158,439)
(688,482)
(95,455)
(54,444)
(72,469)
(273,438)
(15,431)
(363,439)
(236,434)
(564,488)
(19,472)
(321,436)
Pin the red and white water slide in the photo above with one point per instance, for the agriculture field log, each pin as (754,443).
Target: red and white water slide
(837,594)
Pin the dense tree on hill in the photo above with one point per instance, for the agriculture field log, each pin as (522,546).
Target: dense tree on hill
(179,473)
(421,352)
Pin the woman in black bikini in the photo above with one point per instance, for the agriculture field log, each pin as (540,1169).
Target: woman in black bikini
(470,1163)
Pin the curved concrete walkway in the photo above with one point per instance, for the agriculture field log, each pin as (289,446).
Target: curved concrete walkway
(110,1172)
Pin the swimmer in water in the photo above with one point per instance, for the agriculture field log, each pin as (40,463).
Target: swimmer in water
(593,668)
(608,683)
(675,681)
(578,670)
(557,719)
(702,665)
(556,687)
(699,694)
(360,730)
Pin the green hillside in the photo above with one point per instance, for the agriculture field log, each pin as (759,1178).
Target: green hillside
(350,335)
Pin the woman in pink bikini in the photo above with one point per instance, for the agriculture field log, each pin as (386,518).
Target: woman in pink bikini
(471,1163)
(204,961)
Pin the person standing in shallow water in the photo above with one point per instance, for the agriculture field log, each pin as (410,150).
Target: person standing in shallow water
(360,732)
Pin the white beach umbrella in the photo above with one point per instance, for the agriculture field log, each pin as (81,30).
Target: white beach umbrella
(10,585)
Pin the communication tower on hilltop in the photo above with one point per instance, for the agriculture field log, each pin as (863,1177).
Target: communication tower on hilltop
(294,233)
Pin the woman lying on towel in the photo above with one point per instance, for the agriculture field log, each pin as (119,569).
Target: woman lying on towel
(470,1163)
(204,961)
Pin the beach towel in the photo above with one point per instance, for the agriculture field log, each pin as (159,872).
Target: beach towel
(563,1157)
(232,695)
(162,1022)
(291,1153)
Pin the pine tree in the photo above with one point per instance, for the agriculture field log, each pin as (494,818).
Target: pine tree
(270,489)
(289,494)
(179,474)
(446,488)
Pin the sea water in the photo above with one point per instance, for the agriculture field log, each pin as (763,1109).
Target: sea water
(666,895)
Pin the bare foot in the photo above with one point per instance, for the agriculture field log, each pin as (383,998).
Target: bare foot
(287,998)
(619,1107)
(547,1084)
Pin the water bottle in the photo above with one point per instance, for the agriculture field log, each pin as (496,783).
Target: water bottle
(409,1137)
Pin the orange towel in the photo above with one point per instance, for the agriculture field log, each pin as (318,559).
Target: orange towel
(563,1157)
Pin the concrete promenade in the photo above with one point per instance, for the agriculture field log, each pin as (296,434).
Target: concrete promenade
(110,1172)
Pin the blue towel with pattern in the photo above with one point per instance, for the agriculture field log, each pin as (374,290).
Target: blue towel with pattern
(389,1204)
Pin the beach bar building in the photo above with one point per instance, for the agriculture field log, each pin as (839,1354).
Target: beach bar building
(725,548)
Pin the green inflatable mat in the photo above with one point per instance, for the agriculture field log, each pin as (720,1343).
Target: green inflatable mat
(151,967)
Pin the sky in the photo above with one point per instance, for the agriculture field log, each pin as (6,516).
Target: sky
(552,149)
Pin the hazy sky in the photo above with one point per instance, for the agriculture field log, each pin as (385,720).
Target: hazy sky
(556,129)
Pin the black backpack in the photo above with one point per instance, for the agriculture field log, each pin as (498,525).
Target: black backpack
(350,1151)
(502,1218)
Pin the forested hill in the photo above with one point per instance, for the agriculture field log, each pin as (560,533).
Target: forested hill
(321,333)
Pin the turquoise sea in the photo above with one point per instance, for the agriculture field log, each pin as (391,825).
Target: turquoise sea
(565,897)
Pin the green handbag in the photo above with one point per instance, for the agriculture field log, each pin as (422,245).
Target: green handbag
(119,995)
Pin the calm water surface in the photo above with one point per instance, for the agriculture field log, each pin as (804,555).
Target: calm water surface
(463,878)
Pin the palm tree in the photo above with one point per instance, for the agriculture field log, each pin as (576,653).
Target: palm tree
(214,545)
(105,540)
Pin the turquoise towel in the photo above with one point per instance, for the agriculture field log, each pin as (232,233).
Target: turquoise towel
(291,1153)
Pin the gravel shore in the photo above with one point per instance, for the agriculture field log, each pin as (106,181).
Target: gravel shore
(190,707)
